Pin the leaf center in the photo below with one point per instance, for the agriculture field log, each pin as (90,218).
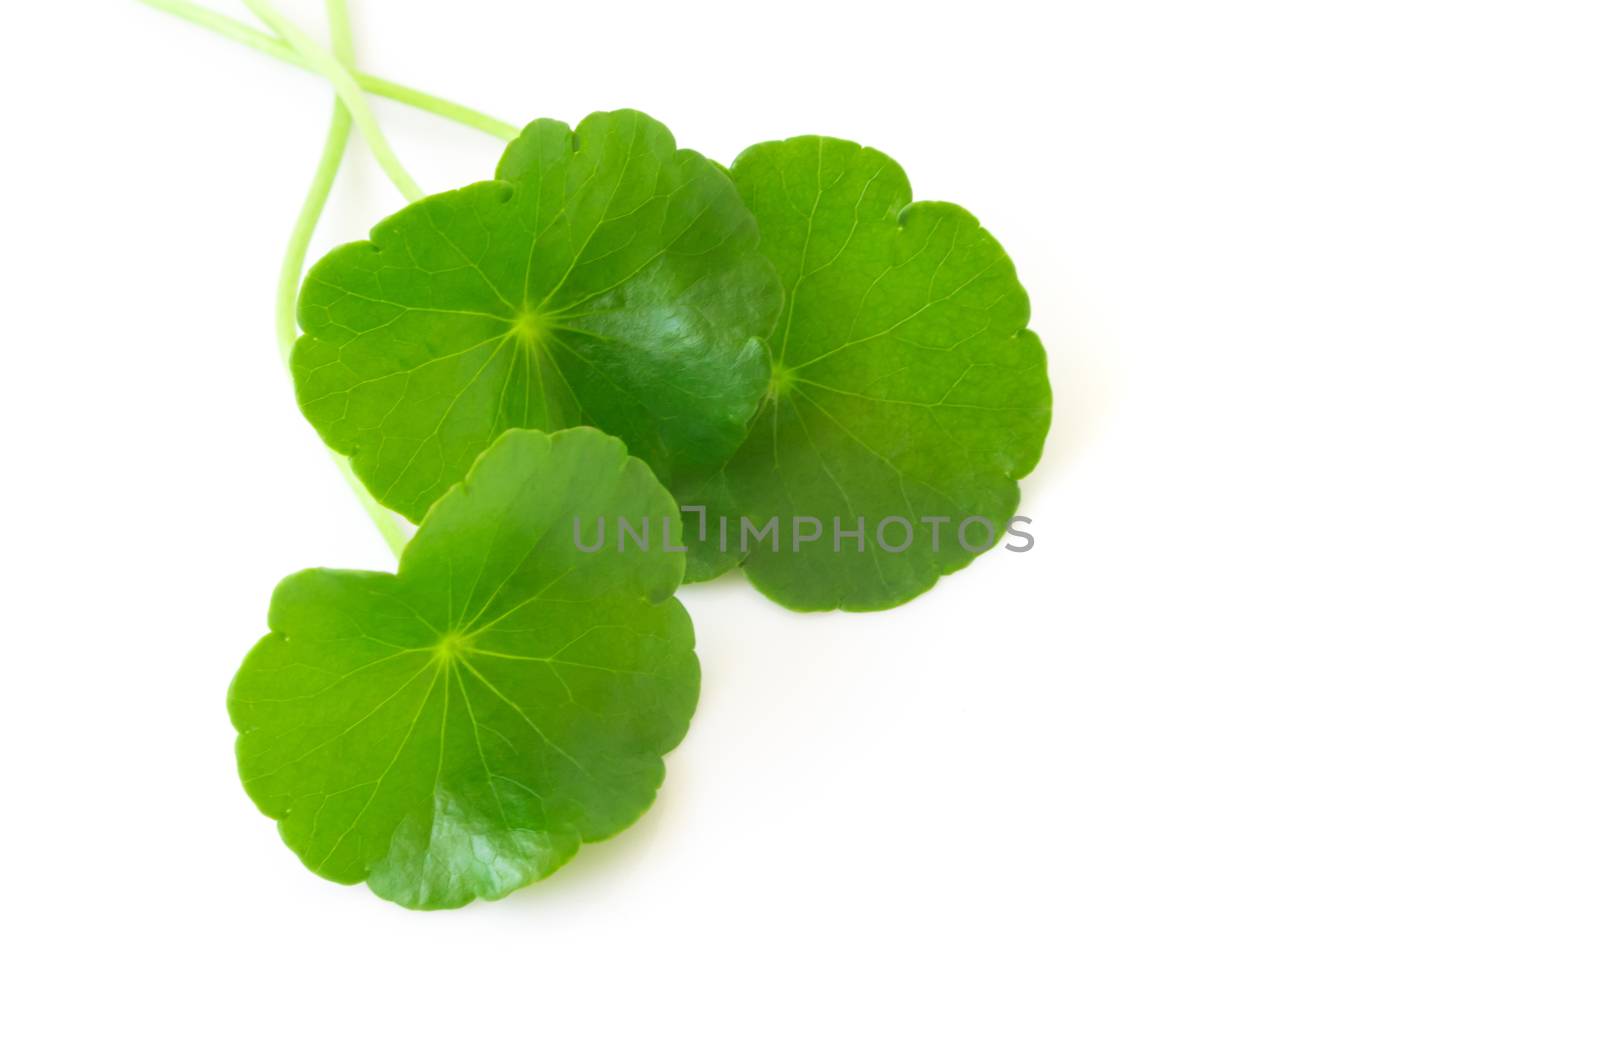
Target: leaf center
(529,329)
(452,646)
(783,379)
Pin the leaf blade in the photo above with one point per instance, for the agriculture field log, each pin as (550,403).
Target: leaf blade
(457,730)
(906,384)
(606,278)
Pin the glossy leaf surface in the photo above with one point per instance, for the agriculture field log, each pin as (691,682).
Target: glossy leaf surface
(455,731)
(605,278)
(905,383)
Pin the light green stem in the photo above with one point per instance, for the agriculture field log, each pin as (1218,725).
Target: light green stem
(294,262)
(251,37)
(294,257)
(323,62)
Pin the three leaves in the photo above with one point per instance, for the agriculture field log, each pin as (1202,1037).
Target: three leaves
(792,340)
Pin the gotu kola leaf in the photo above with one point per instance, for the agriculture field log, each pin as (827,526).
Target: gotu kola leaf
(456,730)
(907,394)
(605,278)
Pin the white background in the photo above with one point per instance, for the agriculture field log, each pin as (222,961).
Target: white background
(1282,742)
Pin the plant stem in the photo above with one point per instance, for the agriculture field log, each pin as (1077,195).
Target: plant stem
(251,37)
(341,41)
(294,258)
(294,261)
(378,86)
(349,93)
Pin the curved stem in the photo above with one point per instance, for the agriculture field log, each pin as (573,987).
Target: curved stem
(294,257)
(294,261)
(443,108)
(387,521)
(340,40)
(350,93)
(266,43)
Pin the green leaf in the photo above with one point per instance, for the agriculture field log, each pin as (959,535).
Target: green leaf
(605,278)
(904,385)
(457,730)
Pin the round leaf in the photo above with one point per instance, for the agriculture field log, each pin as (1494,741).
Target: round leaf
(907,394)
(605,278)
(455,731)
